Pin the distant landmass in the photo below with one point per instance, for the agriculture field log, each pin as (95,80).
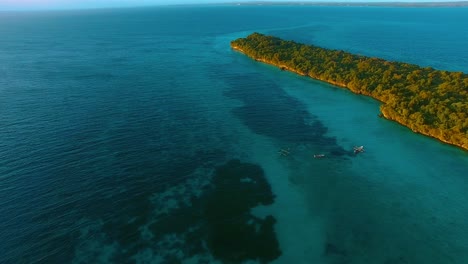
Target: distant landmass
(428,101)
(381,4)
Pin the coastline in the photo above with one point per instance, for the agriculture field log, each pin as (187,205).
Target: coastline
(383,111)
(410,4)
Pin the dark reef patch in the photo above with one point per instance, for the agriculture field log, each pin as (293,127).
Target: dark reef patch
(331,249)
(268,110)
(221,218)
(265,104)
(125,206)
(234,234)
(217,221)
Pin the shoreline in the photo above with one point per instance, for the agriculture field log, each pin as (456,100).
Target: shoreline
(382,113)
(410,4)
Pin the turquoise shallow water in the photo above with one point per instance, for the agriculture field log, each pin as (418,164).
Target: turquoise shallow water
(114,125)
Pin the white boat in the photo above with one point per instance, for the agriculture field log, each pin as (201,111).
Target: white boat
(284,152)
(358,149)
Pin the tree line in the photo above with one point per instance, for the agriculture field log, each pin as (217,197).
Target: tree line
(428,101)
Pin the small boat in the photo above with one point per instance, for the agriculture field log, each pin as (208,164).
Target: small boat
(317,156)
(284,152)
(358,149)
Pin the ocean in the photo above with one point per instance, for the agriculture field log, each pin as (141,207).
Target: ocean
(138,136)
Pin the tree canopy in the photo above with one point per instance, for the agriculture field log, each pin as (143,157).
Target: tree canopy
(428,101)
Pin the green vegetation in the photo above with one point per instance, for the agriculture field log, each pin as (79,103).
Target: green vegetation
(428,101)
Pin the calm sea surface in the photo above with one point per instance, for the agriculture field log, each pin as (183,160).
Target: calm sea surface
(139,136)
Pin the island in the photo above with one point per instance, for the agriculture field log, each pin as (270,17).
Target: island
(356,3)
(428,101)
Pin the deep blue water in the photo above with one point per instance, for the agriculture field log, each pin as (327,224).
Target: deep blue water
(138,135)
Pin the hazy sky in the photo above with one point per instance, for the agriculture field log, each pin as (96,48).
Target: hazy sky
(72,4)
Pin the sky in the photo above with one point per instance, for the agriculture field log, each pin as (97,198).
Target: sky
(80,4)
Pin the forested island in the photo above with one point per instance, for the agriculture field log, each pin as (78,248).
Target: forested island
(359,3)
(428,101)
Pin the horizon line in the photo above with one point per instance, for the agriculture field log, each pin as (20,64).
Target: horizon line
(343,3)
